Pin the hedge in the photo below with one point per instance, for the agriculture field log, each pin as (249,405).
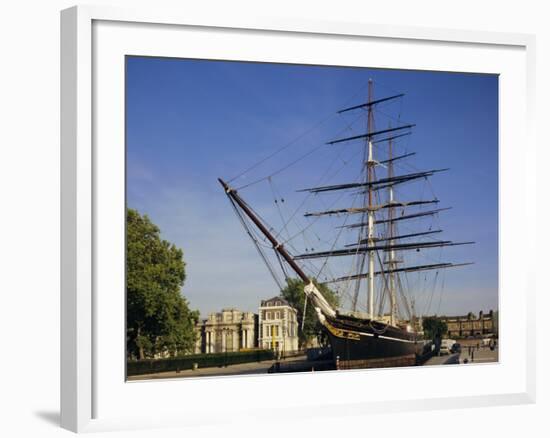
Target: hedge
(151,366)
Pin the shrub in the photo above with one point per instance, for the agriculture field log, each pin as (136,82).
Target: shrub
(151,366)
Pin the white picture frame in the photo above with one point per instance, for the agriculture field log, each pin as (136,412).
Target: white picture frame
(93,39)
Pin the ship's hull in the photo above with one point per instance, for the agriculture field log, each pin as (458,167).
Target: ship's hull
(355,339)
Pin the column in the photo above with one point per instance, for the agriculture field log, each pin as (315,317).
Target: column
(223,341)
(235,339)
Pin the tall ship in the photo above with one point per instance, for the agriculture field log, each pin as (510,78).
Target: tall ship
(374,261)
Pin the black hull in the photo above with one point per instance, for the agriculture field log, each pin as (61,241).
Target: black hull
(357,339)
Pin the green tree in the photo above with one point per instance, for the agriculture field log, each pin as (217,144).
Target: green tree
(433,327)
(312,328)
(158,316)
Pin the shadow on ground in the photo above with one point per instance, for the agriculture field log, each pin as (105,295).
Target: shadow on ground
(51,417)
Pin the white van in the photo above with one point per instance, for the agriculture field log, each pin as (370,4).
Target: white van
(446,345)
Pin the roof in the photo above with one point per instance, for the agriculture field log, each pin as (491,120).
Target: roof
(275,301)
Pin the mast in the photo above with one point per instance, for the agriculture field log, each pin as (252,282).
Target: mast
(393,301)
(365,231)
(370,213)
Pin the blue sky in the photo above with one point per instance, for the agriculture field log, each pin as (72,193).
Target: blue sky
(191,121)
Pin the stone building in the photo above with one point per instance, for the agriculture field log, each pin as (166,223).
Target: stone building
(471,325)
(278,325)
(227,331)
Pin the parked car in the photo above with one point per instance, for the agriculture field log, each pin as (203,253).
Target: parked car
(456,348)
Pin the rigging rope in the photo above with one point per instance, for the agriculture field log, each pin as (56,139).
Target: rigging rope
(281,264)
(286,232)
(429,305)
(304,314)
(441,294)
(404,298)
(277,151)
(386,287)
(292,163)
(296,139)
(339,234)
(260,252)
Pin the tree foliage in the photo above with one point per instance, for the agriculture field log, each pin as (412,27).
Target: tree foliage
(158,316)
(434,328)
(312,328)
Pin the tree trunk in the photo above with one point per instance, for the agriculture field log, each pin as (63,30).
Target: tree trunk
(140,347)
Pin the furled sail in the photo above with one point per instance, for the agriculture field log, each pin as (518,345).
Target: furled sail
(408,269)
(368,248)
(382,181)
(403,236)
(399,218)
(371,134)
(353,210)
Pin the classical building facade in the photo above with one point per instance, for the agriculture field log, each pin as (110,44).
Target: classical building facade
(227,331)
(278,325)
(471,325)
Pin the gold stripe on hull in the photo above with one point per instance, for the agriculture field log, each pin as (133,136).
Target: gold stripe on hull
(341,333)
